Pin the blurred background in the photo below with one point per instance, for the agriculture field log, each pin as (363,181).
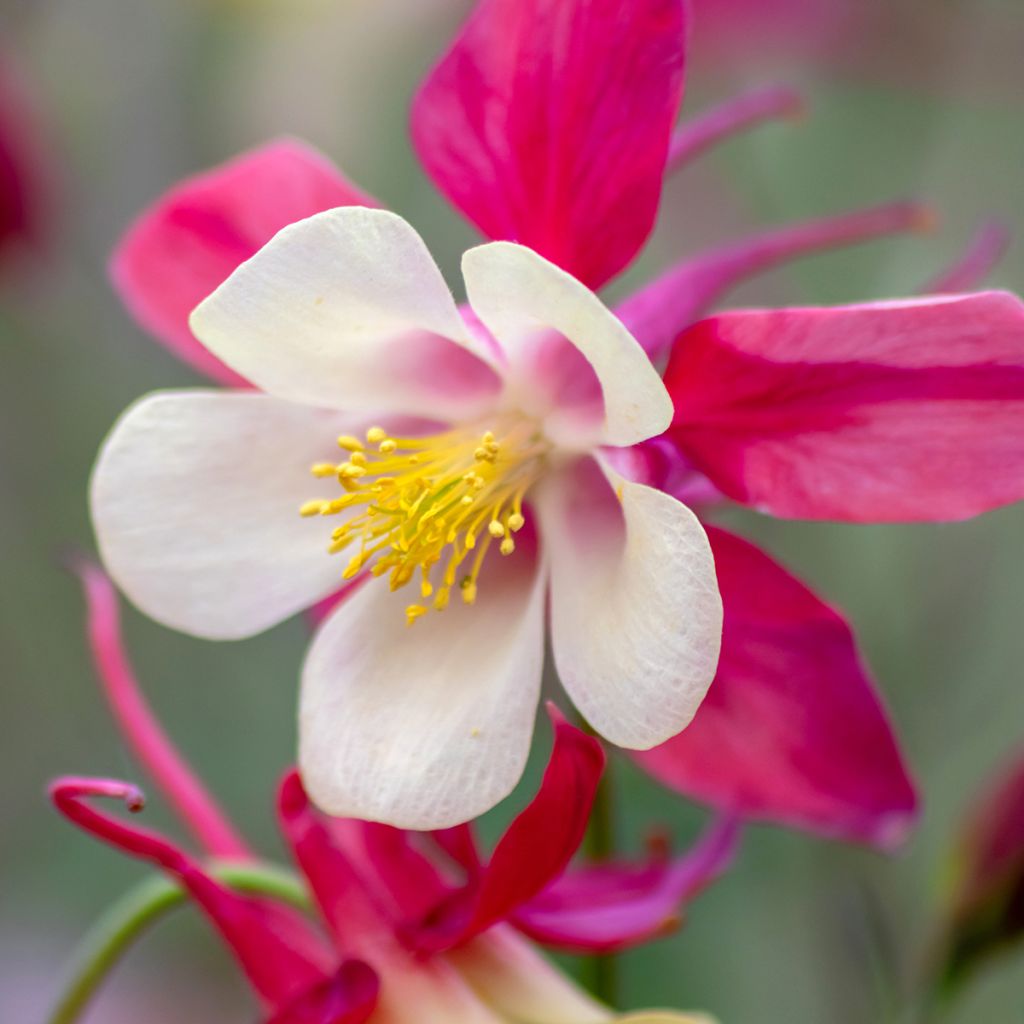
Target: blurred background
(921,98)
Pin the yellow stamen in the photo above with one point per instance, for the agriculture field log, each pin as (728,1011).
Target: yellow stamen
(413,502)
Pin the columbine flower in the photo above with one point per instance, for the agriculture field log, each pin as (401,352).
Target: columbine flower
(565,149)
(208,518)
(419,928)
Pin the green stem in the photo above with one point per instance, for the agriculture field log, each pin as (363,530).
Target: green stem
(115,932)
(602,969)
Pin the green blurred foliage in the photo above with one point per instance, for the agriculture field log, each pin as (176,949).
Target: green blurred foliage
(929,103)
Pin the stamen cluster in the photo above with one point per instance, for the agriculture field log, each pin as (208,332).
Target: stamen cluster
(412,502)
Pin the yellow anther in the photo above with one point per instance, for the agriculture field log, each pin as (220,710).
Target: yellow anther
(324,469)
(353,567)
(443,497)
(414,612)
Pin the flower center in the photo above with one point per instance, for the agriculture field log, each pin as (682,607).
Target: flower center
(411,503)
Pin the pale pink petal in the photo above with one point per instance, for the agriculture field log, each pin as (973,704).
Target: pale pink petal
(888,412)
(188,242)
(347,310)
(792,730)
(195,501)
(548,123)
(424,726)
(635,614)
(523,300)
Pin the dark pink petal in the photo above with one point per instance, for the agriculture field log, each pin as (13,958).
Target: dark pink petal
(888,412)
(734,116)
(535,849)
(140,728)
(280,956)
(349,996)
(407,874)
(657,313)
(986,250)
(548,123)
(611,907)
(188,242)
(460,844)
(792,729)
(340,889)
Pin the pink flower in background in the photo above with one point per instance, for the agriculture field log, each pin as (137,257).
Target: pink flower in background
(25,185)
(986,912)
(420,928)
(883,412)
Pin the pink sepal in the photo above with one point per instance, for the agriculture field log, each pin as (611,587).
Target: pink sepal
(548,123)
(610,907)
(792,729)
(897,411)
(190,240)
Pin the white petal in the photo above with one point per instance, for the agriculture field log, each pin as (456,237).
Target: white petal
(424,726)
(347,310)
(517,294)
(512,977)
(636,617)
(195,501)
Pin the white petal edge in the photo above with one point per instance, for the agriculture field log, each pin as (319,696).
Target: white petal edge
(636,616)
(195,500)
(424,726)
(516,293)
(348,310)
(512,977)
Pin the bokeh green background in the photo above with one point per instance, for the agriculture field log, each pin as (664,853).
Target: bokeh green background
(926,99)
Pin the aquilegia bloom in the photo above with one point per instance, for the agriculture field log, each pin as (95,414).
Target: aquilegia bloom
(890,411)
(197,496)
(418,928)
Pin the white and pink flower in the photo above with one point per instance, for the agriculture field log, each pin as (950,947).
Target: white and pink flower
(471,473)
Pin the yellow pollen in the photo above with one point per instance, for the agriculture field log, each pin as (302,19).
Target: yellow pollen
(416,503)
